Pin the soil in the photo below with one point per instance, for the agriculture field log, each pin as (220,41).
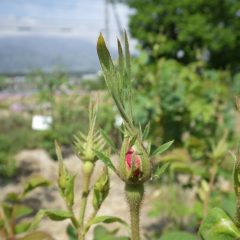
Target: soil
(38,162)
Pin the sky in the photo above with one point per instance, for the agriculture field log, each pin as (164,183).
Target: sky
(81,18)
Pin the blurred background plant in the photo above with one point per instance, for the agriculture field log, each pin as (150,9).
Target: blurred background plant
(186,73)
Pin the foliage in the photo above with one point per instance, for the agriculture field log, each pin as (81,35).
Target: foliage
(188,31)
(14,213)
(217,224)
(136,164)
(187,103)
(102,233)
(178,235)
(86,146)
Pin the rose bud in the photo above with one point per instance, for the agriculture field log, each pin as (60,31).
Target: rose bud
(132,158)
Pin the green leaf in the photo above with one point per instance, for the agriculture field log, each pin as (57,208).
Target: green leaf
(160,170)
(218,226)
(21,210)
(37,236)
(178,235)
(103,53)
(35,182)
(133,140)
(106,160)
(55,215)
(72,233)
(107,219)
(108,140)
(101,233)
(101,189)
(8,209)
(13,197)
(22,227)
(146,131)
(162,148)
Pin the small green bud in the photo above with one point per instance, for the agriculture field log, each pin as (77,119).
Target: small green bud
(88,167)
(101,189)
(135,165)
(62,171)
(62,178)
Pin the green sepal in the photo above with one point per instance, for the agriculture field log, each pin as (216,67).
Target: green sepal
(62,171)
(69,191)
(218,226)
(101,189)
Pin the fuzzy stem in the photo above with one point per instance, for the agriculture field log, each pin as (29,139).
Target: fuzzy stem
(134,195)
(87,174)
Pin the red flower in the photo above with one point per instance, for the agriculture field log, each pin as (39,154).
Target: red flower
(130,158)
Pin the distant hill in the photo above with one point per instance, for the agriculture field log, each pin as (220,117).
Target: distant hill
(22,54)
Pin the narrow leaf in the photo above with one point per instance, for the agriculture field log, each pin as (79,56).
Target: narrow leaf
(21,210)
(107,219)
(162,148)
(160,170)
(133,140)
(35,182)
(146,131)
(105,159)
(55,215)
(103,53)
(22,227)
(218,226)
(108,140)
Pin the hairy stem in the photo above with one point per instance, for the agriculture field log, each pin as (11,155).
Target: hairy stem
(87,174)
(134,195)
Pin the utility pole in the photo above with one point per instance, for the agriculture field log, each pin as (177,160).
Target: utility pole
(117,18)
(107,22)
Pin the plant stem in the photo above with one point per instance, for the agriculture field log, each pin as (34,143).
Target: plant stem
(134,195)
(88,224)
(73,218)
(87,174)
